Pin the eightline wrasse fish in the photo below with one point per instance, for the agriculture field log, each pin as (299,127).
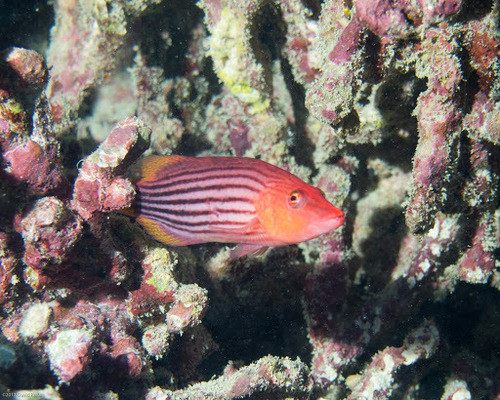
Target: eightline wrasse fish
(189,200)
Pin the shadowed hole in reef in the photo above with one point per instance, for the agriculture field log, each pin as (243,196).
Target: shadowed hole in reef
(387,225)
(25,23)
(258,311)
(467,321)
(163,33)
(29,371)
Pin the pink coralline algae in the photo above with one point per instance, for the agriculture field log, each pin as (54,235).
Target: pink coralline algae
(189,306)
(391,108)
(28,67)
(100,185)
(49,231)
(84,41)
(30,154)
(330,96)
(69,353)
(438,115)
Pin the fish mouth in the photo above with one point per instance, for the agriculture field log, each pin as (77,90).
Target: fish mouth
(331,223)
(335,222)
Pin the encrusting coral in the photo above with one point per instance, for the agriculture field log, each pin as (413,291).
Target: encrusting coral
(391,108)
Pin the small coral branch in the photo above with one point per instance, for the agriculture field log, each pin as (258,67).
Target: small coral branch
(300,33)
(334,349)
(483,121)
(269,375)
(456,389)
(100,185)
(378,379)
(438,116)
(50,231)
(330,96)
(82,51)
(478,262)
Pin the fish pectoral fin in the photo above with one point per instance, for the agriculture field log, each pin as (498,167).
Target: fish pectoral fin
(248,249)
(160,233)
(254,226)
(255,229)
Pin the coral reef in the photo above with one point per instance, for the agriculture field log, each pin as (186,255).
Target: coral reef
(391,108)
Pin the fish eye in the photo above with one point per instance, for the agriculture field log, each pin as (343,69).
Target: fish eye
(295,199)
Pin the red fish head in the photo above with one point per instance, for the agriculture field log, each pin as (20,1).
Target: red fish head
(294,212)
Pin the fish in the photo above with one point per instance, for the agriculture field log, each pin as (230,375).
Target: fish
(182,201)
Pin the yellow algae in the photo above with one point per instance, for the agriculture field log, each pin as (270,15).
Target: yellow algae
(231,54)
(162,270)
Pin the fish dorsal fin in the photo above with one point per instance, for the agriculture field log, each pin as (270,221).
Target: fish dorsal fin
(160,233)
(147,168)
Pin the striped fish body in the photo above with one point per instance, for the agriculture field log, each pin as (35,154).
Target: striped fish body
(189,200)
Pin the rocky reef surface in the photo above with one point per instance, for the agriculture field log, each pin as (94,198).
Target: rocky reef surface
(392,108)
